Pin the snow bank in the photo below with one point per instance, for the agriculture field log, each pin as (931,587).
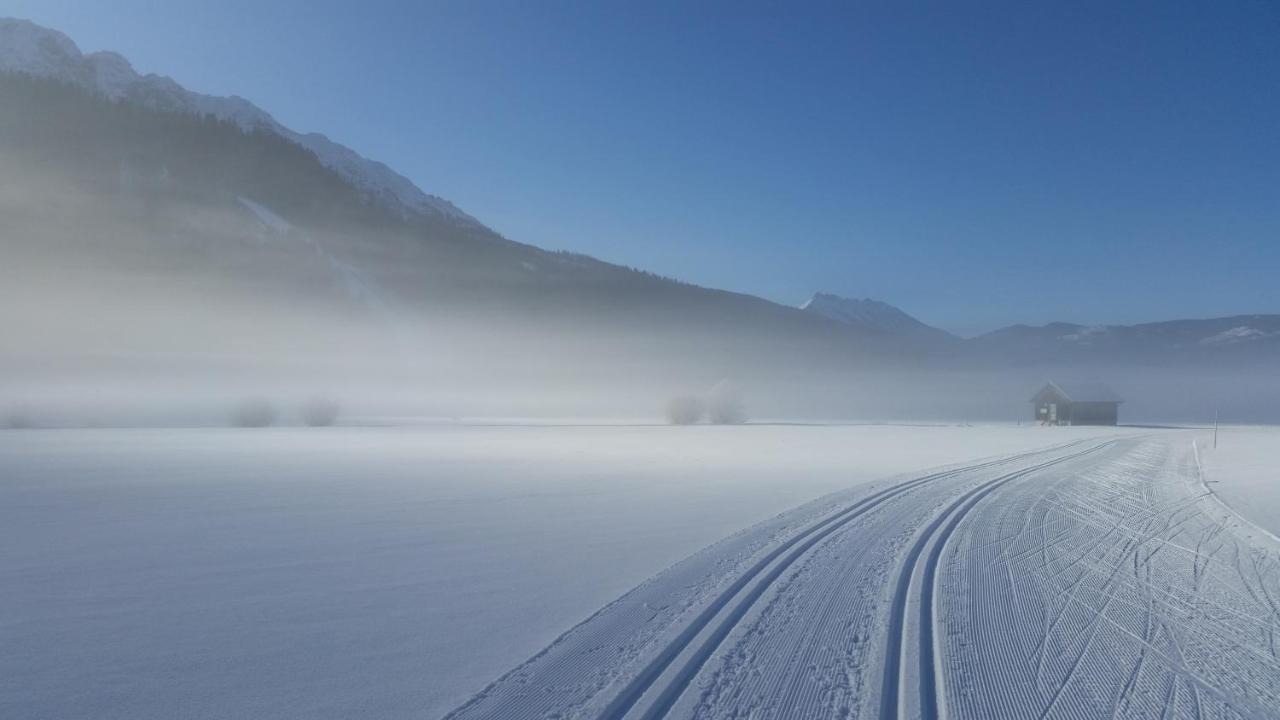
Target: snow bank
(371,572)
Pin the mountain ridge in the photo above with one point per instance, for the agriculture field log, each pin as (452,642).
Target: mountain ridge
(1250,338)
(26,47)
(143,160)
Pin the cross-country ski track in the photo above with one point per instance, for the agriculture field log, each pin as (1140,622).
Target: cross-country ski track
(1093,579)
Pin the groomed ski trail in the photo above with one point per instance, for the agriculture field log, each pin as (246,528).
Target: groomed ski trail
(1092,579)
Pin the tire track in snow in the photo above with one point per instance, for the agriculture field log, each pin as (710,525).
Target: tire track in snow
(936,534)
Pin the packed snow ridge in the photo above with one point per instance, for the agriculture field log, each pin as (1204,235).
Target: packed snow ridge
(34,50)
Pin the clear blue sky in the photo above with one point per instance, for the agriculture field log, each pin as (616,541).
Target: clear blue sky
(977,164)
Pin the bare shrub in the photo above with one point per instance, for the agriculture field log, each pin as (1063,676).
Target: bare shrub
(320,411)
(725,405)
(685,410)
(254,413)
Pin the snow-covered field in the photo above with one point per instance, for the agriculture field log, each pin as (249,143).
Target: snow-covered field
(1244,470)
(395,572)
(387,571)
(1093,580)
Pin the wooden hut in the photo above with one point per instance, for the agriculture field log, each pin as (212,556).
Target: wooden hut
(1076,404)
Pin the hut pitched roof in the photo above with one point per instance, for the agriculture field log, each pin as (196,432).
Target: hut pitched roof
(1085,392)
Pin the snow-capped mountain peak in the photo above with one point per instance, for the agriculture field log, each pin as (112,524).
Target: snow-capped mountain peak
(868,314)
(26,47)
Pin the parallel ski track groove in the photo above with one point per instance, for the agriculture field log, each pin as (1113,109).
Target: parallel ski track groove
(800,543)
(946,521)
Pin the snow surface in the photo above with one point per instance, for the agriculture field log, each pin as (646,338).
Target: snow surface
(1095,579)
(376,572)
(267,216)
(29,48)
(1244,470)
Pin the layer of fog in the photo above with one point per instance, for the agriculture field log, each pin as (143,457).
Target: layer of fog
(117,310)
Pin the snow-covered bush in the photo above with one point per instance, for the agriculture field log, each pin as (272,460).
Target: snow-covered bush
(725,405)
(320,411)
(685,410)
(252,413)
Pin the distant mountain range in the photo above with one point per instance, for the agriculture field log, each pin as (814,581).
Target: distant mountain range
(1201,339)
(1240,336)
(140,173)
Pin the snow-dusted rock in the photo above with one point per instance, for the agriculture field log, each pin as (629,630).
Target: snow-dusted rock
(868,314)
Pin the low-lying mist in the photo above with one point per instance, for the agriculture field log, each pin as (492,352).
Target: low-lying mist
(178,283)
